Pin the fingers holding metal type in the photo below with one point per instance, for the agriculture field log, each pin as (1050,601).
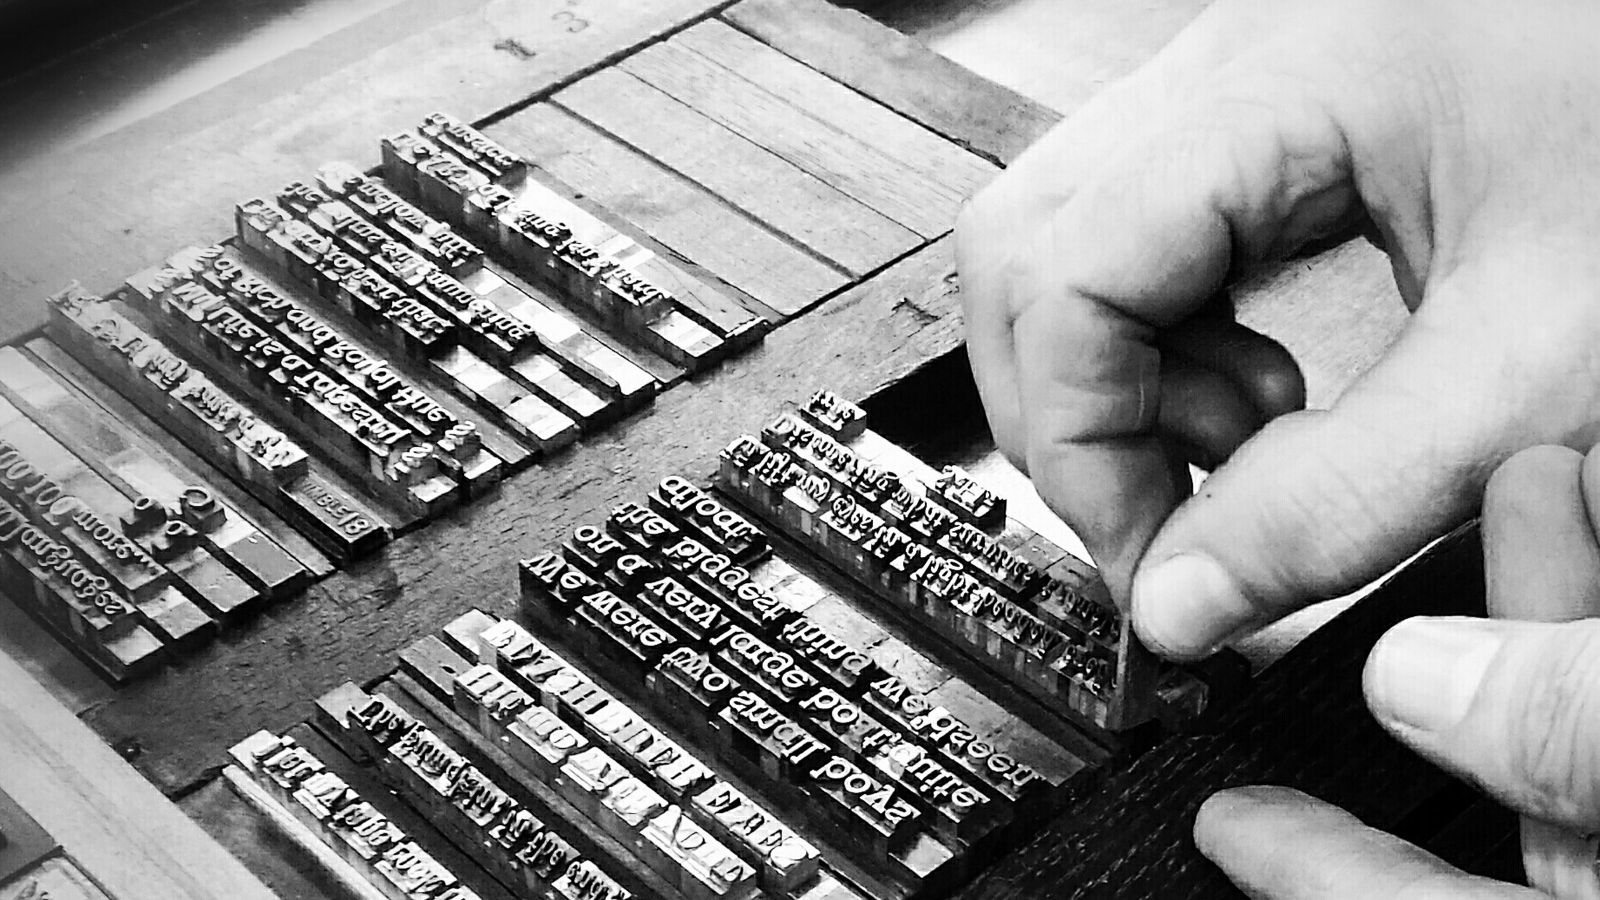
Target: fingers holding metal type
(1067,315)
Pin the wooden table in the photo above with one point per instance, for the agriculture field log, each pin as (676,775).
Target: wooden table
(876,309)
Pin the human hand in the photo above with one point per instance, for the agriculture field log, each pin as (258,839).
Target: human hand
(1462,130)
(1506,704)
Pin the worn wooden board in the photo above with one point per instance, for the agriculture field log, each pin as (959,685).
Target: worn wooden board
(107,818)
(674,211)
(846,161)
(938,162)
(899,72)
(776,193)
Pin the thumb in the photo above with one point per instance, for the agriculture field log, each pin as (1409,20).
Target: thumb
(1320,502)
(1508,706)
(1279,844)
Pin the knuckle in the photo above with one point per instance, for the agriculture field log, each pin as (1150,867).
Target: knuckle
(1553,735)
(1533,466)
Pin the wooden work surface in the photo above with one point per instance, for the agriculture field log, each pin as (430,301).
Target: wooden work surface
(820,184)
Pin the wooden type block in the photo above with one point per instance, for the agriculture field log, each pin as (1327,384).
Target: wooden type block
(280,563)
(781,196)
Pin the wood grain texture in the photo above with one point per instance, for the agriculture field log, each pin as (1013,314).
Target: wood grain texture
(934,158)
(170,181)
(350,625)
(773,191)
(846,161)
(678,214)
(111,821)
(900,72)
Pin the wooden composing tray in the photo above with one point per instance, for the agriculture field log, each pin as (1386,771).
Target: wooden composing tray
(801,163)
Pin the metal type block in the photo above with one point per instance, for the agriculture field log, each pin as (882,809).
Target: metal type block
(542,742)
(965,497)
(596,365)
(221,428)
(583,880)
(703,868)
(712,521)
(867,807)
(328,395)
(409,873)
(785,861)
(542,373)
(434,239)
(473,146)
(343,525)
(834,415)
(565,246)
(99,544)
(314,260)
(690,689)
(509,404)
(127,471)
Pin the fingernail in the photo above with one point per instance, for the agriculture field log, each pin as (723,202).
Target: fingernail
(1188,606)
(1424,673)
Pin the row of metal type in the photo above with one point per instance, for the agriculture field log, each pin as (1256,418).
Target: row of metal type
(363,354)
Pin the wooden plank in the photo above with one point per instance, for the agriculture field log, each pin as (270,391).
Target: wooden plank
(900,72)
(672,210)
(847,162)
(108,819)
(766,187)
(953,168)
(170,181)
(351,625)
